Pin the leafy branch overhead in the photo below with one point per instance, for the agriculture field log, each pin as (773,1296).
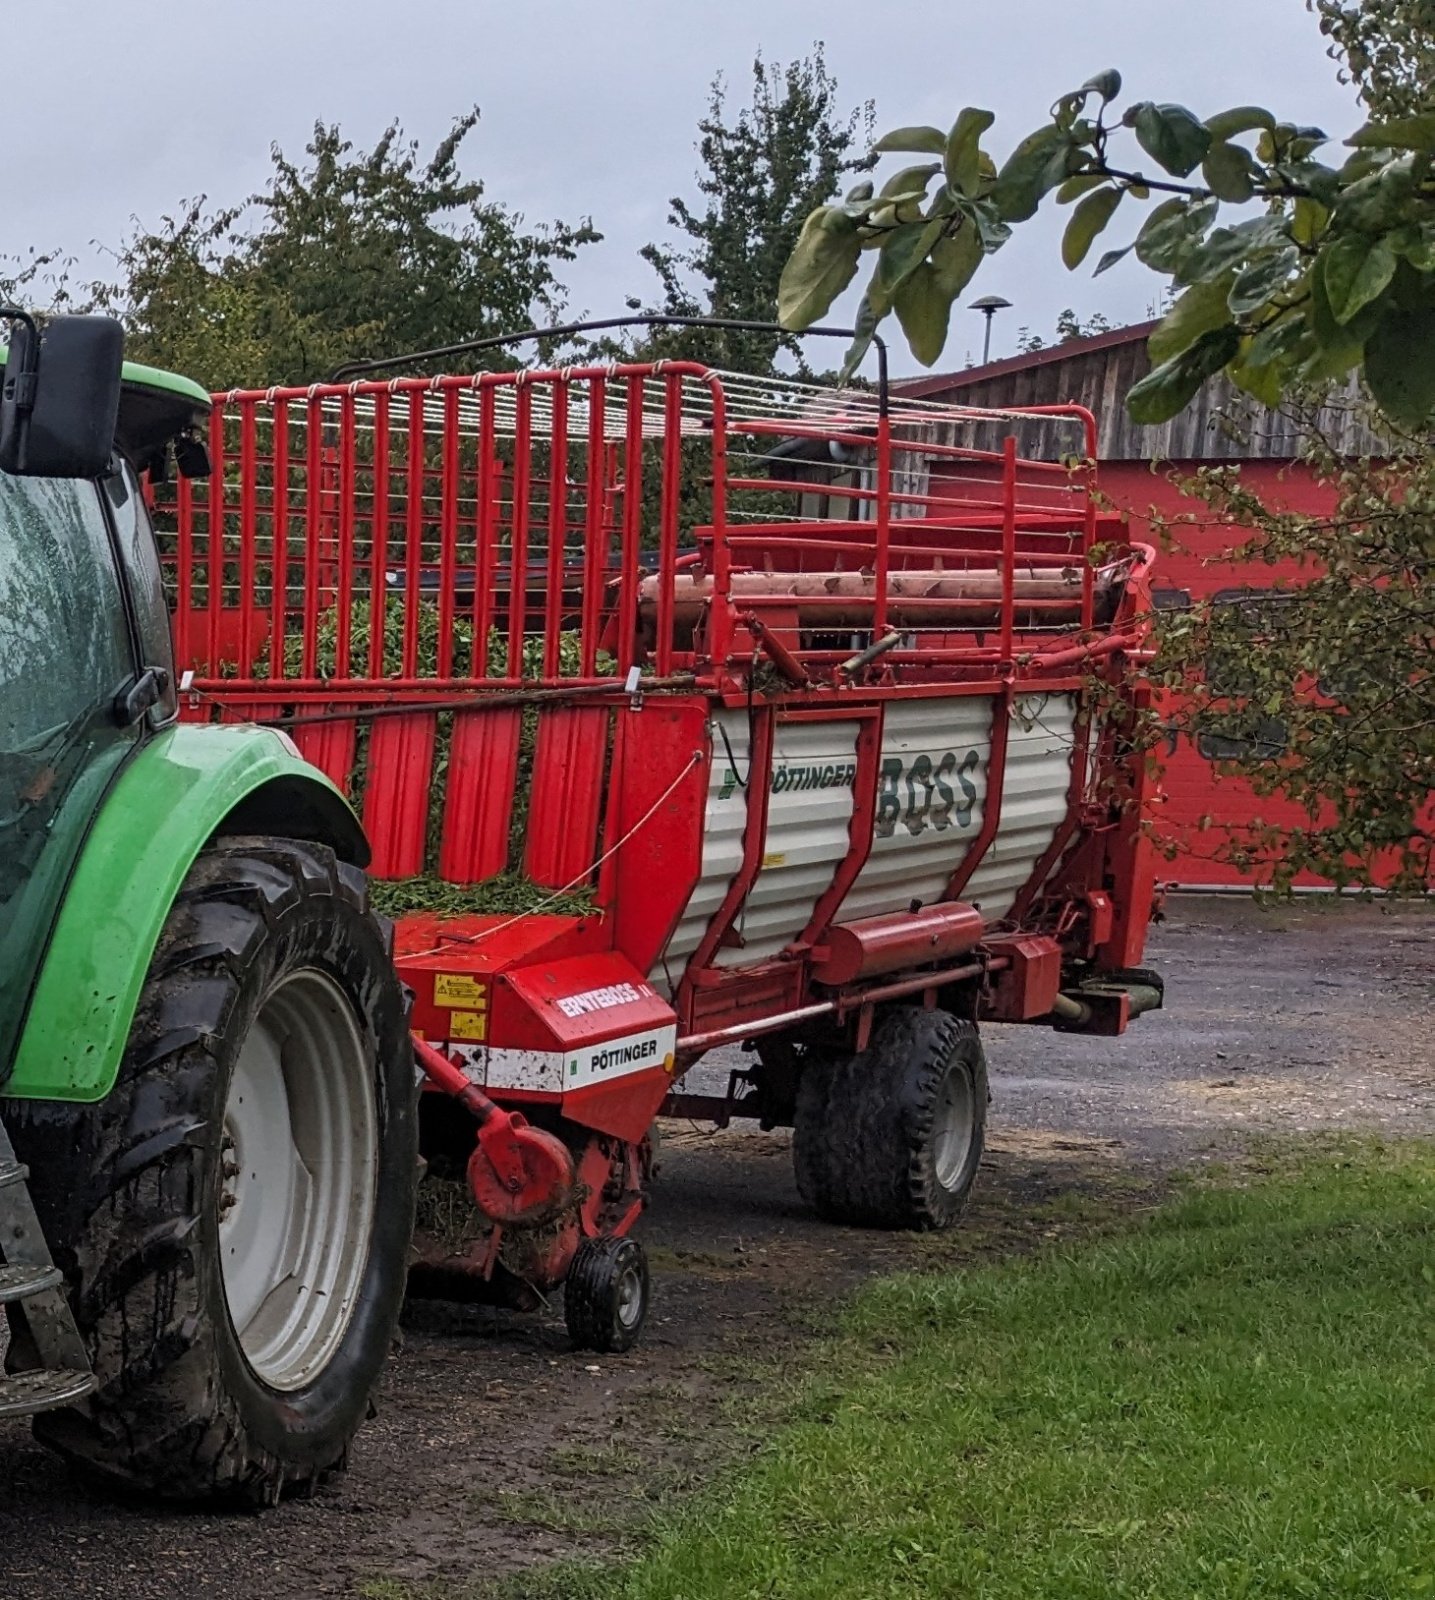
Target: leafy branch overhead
(1292,264)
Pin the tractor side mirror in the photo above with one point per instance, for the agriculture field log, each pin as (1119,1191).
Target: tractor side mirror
(60,396)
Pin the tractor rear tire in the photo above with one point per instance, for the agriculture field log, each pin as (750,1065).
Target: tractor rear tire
(234,1219)
(892,1137)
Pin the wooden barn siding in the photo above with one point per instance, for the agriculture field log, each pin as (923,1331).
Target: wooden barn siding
(1222,424)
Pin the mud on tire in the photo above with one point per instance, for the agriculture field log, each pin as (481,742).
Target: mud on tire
(130,1190)
(892,1137)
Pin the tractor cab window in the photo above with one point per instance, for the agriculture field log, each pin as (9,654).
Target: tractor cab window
(65,653)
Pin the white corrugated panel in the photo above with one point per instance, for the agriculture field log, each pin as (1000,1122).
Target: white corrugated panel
(809,815)
(1034,798)
(934,773)
(914,860)
(809,822)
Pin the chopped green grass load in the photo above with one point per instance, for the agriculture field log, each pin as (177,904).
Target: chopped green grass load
(510,893)
(1233,1399)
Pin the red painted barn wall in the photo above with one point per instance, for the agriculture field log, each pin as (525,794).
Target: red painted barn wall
(1202,811)
(1194,792)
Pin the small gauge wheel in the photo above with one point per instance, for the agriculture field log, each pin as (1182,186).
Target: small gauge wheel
(605,1296)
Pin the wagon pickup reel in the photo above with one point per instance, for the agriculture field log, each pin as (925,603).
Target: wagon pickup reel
(518,1173)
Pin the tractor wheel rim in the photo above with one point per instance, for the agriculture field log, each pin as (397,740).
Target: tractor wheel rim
(298,1174)
(630,1297)
(952,1128)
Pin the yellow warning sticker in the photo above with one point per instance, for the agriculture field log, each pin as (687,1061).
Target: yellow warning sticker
(458,989)
(468,1025)
(775,858)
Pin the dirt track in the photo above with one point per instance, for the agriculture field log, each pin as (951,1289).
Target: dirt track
(497,1448)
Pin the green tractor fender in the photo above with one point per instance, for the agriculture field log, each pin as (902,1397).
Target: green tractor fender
(183,788)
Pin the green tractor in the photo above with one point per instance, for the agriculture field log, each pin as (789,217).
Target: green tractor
(208,1151)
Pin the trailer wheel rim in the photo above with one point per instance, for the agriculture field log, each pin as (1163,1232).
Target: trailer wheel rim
(953,1128)
(628,1299)
(298,1177)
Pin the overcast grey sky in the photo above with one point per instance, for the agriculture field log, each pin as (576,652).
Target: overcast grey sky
(122,110)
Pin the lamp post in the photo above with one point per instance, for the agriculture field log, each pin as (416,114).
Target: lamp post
(988,305)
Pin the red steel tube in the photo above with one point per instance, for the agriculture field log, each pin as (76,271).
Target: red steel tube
(413,529)
(557,528)
(486,542)
(878,945)
(379,536)
(632,527)
(595,532)
(447,533)
(344,603)
(518,542)
(1008,561)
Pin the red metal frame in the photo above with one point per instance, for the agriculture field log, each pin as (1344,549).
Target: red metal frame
(493,535)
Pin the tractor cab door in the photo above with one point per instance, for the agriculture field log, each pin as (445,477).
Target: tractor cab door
(68,666)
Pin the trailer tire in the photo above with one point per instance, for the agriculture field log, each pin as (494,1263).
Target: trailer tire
(811,1135)
(901,1138)
(230,1366)
(605,1295)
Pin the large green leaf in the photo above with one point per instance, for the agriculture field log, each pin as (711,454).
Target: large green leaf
(1107,84)
(822,264)
(1024,177)
(1357,270)
(910,180)
(1258,281)
(1172,230)
(1239,119)
(1197,312)
(956,257)
(963,150)
(1231,247)
(863,330)
(922,141)
(1400,365)
(1087,221)
(1171,387)
(904,248)
(1171,135)
(924,310)
(1400,133)
(1229,172)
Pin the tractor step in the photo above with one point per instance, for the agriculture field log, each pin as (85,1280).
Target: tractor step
(19,1283)
(45,1389)
(32,1283)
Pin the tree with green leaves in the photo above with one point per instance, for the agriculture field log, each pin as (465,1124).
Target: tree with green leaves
(762,171)
(1293,266)
(345,253)
(1295,270)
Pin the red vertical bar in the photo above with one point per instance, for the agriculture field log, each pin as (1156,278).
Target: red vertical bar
(595,532)
(884,526)
(313,530)
(1008,546)
(379,528)
(720,629)
(279,548)
(248,533)
(184,574)
(485,553)
(448,533)
(518,545)
(413,531)
(668,529)
(344,599)
(628,570)
(557,529)
(214,569)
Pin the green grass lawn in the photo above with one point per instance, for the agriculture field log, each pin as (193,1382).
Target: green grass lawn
(1234,1398)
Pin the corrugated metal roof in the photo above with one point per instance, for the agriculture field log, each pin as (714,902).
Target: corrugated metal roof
(1221,424)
